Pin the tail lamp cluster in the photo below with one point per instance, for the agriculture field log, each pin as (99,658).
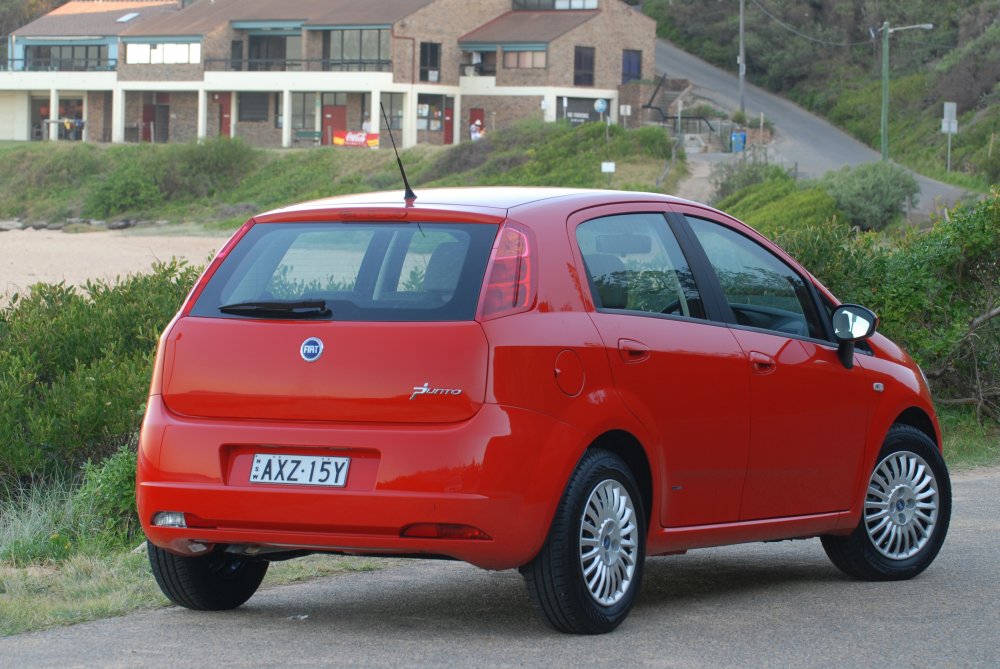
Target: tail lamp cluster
(511,285)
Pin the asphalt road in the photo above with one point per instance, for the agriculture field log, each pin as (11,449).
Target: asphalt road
(759,605)
(803,140)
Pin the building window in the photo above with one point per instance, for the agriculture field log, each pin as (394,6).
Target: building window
(303,111)
(253,106)
(75,57)
(165,53)
(583,66)
(631,65)
(272,52)
(430,112)
(519,60)
(357,50)
(430,62)
(393,103)
(555,4)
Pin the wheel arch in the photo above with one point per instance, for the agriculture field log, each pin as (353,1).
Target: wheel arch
(919,419)
(626,446)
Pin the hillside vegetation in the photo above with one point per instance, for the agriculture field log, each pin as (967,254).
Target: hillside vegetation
(821,54)
(222,181)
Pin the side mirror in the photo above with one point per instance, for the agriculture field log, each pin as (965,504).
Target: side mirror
(852,323)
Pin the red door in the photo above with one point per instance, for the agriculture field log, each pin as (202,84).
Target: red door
(686,380)
(334,118)
(449,120)
(148,119)
(225,114)
(809,413)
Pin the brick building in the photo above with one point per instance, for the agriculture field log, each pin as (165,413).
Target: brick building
(303,72)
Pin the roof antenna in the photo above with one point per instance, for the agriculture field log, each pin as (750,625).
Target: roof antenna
(408,195)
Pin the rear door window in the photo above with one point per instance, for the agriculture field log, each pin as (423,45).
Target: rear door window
(357,271)
(635,264)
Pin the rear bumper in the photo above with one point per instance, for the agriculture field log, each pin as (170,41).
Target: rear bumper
(501,471)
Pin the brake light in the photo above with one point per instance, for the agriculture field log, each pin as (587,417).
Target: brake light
(510,288)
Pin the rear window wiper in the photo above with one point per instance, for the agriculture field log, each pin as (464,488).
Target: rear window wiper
(279,309)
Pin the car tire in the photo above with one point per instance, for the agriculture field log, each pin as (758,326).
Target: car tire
(586,577)
(906,512)
(213,582)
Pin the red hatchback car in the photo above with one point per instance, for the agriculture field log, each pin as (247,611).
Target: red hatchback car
(561,381)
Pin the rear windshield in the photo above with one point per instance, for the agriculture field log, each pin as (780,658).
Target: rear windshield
(352,272)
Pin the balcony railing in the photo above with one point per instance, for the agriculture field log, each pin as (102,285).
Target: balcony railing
(295,65)
(59,65)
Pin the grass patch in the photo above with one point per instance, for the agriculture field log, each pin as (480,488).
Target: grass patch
(88,587)
(967,443)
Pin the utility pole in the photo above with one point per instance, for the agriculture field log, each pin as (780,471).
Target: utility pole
(886,31)
(742,61)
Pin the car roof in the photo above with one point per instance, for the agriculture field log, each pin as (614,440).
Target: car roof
(495,199)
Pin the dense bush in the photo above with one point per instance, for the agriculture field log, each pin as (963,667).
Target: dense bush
(146,175)
(75,366)
(108,493)
(937,291)
(731,177)
(873,195)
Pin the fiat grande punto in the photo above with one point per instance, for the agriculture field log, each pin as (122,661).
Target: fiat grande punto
(559,381)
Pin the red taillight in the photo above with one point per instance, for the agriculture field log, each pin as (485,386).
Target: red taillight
(510,287)
(443,531)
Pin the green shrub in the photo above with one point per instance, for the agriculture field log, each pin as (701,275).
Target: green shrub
(129,186)
(75,366)
(731,177)
(108,492)
(873,195)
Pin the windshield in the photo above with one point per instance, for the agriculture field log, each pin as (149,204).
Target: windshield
(352,271)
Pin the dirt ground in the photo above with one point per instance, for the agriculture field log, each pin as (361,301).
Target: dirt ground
(47,256)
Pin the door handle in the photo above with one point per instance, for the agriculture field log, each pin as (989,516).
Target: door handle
(761,363)
(632,351)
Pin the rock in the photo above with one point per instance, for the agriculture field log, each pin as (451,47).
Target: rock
(55,226)
(98,224)
(120,225)
(38,225)
(10,225)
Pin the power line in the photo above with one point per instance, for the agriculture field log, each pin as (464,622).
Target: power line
(803,35)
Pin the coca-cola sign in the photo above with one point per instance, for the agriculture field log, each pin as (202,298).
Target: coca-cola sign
(355,138)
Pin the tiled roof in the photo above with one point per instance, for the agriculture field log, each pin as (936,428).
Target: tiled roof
(206,16)
(95,19)
(527,27)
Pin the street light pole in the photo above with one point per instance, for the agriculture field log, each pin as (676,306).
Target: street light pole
(886,31)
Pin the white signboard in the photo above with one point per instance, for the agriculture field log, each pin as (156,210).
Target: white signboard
(625,110)
(608,168)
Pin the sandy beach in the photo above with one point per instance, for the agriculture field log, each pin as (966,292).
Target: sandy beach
(48,256)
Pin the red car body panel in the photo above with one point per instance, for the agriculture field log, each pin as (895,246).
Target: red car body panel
(746,436)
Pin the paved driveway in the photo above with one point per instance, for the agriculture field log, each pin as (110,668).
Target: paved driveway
(803,139)
(759,605)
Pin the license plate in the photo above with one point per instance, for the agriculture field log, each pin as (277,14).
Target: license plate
(322,470)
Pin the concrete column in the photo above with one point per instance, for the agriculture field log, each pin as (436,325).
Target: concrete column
(234,102)
(53,114)
(375,116)
(85,135)
(202,114)
(410,119)
(459,128)
(117,112)
(286,113)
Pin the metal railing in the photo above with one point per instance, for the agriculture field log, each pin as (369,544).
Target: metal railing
(59,65)
(296,65)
